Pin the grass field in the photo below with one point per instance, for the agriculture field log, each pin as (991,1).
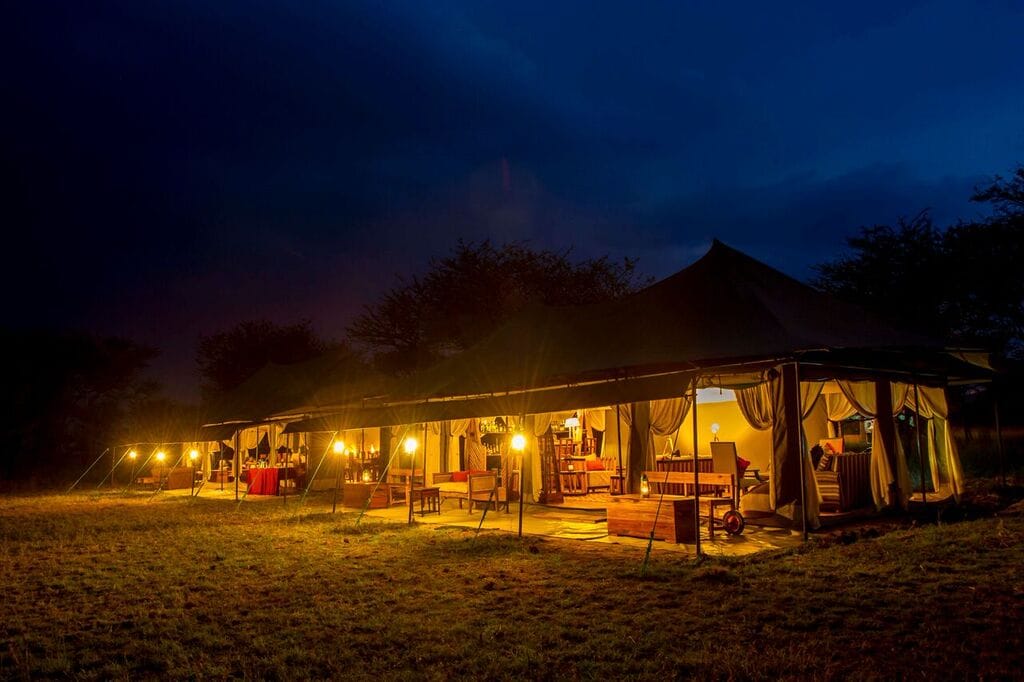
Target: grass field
(112,587)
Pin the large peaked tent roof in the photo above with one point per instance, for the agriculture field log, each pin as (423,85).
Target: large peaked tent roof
(726,309)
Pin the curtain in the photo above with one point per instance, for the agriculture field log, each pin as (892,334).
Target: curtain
(941,447)
(761,407)
(755,404)
(862,396)
(596,418)
(666,418)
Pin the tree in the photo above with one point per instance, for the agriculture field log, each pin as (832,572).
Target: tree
(963,284)
(228,358)
(467,294)
(65,395)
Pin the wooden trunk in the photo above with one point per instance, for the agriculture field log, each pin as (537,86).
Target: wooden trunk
(634,516)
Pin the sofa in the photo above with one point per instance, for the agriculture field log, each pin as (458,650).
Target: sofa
(844,481)
(599,471)
(475,487)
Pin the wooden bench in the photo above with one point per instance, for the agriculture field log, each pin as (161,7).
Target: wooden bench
(723,497)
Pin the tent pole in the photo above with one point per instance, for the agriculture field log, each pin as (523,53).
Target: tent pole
(236,461)
(522,497)
(337,478)
(86,472)
(696,476)
(999,437)
(917,441)
(800,433)
(618,433)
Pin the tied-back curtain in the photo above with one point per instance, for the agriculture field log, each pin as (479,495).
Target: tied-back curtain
(862,396)
(755,404)
(476,453)
(596,418)
(761,407)
(941,446)
(666,418)
(837,408)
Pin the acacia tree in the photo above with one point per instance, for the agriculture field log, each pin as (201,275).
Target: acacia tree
(964,283)
(228,358)
(468,293)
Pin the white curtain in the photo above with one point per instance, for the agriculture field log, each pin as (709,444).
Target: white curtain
(666,418)
(941,446)
(861,395)
(596,418)
(757,405)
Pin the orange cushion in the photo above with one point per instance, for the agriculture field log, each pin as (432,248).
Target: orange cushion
(831,446)
(594,465)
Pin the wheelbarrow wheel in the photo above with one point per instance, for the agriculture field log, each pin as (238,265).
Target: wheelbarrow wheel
(733,522)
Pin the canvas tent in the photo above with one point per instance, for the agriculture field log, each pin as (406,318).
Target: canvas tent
(726,320)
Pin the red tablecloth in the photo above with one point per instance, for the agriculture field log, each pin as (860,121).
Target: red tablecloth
(263,481)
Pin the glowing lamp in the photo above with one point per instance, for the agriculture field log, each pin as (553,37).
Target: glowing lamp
(645,486)
(132,454)
(193,455)
(410,445)
(572,422)
(519,442)
(372,451)
(366,475)
(339,447)
(161,456)
(715,428)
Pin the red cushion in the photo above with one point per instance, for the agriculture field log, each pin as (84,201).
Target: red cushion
(594,465)
(741,465)
(460,476)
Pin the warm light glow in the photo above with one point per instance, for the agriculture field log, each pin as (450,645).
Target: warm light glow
(410,445)
(194,455)
(372,450)
(519,442)
(161,456)
(366,475)
(645,486)
(132,454)
(572,422)
(339,447)
(715,428)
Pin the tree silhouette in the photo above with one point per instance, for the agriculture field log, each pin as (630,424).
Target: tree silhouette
(467,294)
(228,358)
(963,284)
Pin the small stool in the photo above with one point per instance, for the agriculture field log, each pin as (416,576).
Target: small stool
(430,500)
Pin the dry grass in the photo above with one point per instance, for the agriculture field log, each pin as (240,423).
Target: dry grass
(115,587)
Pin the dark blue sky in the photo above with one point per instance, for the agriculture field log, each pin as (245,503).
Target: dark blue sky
(176,167)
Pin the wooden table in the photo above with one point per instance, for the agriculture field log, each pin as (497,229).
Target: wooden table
(634,516)
(430,500)
(574,482)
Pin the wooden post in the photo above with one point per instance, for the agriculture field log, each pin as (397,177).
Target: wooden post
(696,477)
(618,433)
(917,441)
(999,436)
(803,448)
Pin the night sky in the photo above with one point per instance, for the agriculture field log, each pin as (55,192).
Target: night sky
(174,168)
